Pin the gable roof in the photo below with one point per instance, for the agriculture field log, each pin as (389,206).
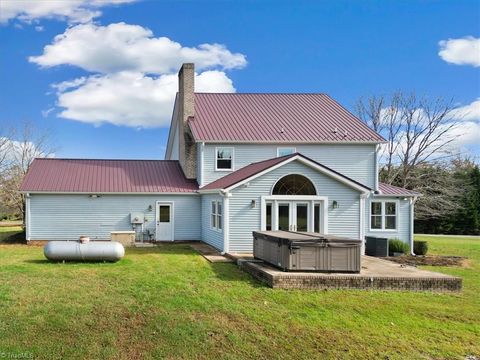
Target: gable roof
(249,172)
(389,190)
(300,118)
(107,176)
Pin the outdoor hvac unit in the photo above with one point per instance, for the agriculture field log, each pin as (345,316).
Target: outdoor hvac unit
(376,246)
(136,218)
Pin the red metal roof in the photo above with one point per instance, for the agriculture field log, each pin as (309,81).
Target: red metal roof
(276,118)
(105,176)
(255,168)
(387,189)
(245,173)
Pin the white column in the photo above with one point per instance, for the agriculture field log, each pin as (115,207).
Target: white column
(311,216)
(263,214)
(202,154)
(362,221)
(412,209)
(226,222)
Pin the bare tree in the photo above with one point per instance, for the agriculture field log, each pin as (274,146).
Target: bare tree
(18,153)
(417,130)
(5,143)
(441,190)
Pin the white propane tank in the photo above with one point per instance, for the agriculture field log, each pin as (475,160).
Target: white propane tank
(90,251)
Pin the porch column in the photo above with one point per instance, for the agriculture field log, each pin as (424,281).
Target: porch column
(361,232)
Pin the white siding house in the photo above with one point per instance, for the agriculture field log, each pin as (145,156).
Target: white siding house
(355,160)
(66,216)
(234,163)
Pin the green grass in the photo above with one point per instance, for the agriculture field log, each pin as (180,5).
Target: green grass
(12,235)
(169,302)
(5,229)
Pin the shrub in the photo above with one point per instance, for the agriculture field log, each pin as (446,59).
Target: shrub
(420,247)
(397,246)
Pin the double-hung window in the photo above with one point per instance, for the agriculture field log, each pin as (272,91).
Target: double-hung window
(224,159)
(217,215)
(383,215)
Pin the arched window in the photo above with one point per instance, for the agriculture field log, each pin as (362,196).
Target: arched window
(294,185)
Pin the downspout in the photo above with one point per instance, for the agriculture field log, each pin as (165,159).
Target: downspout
(27,216)
(226,221)
(377,147)
(412,209)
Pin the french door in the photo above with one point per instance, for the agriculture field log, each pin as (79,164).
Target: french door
(293,216)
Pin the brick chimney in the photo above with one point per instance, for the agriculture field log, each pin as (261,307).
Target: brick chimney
(186,108)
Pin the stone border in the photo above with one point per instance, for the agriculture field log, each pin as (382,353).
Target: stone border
(316,281)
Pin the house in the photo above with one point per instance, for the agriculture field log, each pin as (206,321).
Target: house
(234,163)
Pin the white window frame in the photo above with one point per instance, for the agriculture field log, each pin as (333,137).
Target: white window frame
(311,199)
(383,215)
(286,147)
(216,218)
(216,157)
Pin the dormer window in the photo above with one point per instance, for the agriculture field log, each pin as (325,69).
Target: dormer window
(284,151)
(224,159)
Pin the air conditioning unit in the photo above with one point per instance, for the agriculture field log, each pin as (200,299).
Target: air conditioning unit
(136,218)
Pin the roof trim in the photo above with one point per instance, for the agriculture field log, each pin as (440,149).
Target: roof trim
(306,161)
(193,192)
(173,124)
(397,195)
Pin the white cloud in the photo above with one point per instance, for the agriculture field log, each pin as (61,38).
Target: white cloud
(130,98)
(464,51)
(124,47)
(469,130)
(468,134)
(65,85)
(135,74)
(73,11)
(470,112)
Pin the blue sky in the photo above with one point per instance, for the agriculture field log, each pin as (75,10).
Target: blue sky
(347,49)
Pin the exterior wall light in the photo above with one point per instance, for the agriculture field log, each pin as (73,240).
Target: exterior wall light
(253,204)
(150,208)
(94,196)
(334,204)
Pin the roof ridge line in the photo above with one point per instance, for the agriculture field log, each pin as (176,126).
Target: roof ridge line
(262,93)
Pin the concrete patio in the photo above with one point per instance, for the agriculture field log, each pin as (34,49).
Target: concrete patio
(375,274)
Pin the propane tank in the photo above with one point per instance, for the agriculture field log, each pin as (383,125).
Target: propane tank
(89,251)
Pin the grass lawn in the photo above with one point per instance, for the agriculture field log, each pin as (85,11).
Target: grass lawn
(169,302)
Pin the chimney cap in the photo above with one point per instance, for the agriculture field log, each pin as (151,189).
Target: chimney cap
(188,66)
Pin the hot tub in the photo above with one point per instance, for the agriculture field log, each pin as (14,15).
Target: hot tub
(302,251)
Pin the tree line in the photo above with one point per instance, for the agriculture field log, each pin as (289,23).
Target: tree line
(19,146)
(422,153)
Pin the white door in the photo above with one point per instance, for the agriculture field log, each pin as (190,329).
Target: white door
(293,216)
(164,229)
